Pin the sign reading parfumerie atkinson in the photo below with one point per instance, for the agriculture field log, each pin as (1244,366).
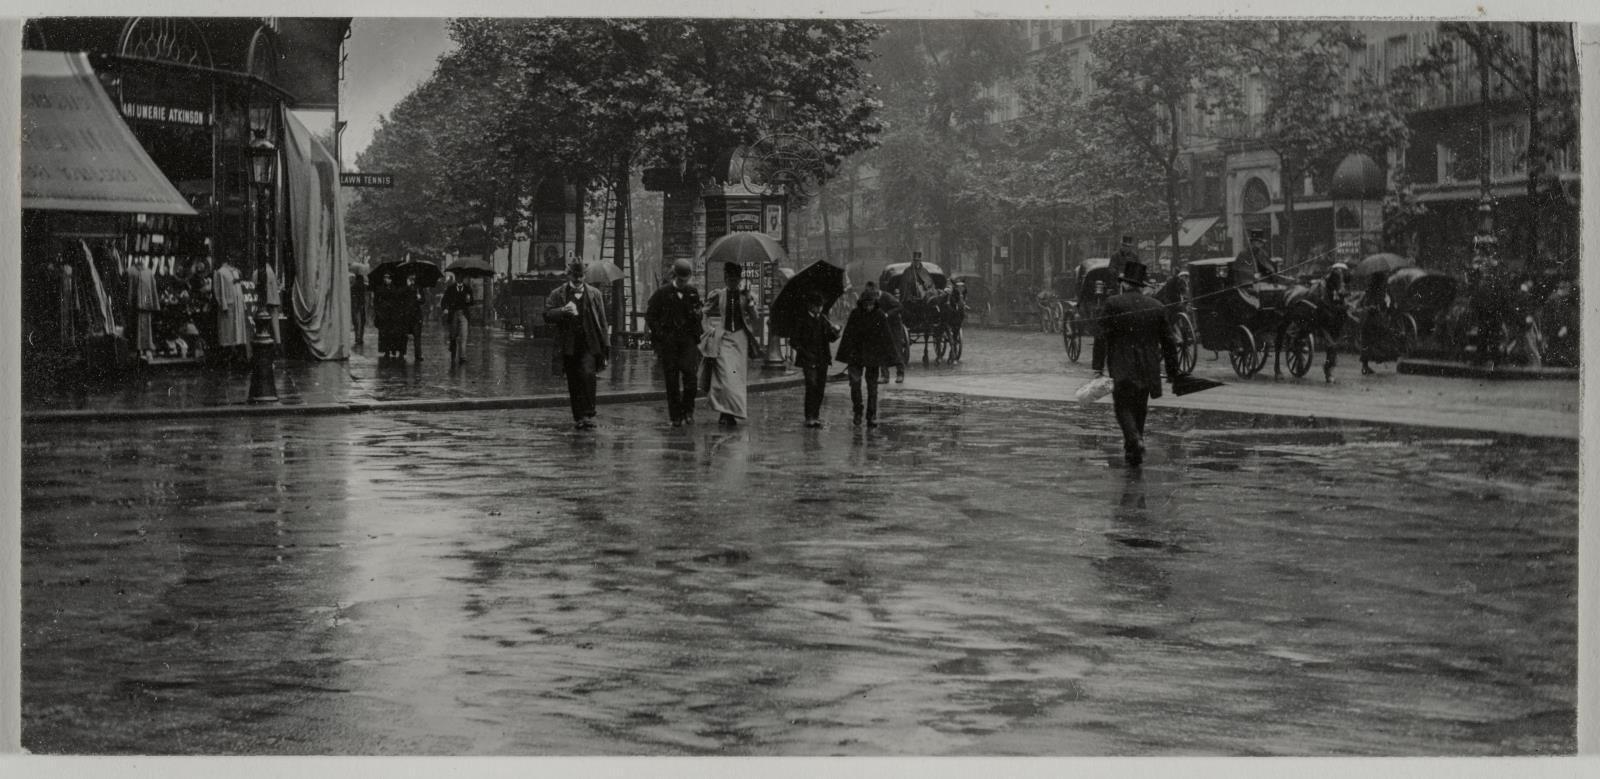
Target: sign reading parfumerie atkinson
(366,179)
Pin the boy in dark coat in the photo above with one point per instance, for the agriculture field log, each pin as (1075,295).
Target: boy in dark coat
(811,356)
(1138,340)
(867,348)
(673,316)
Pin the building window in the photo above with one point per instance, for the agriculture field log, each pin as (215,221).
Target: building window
(1507,148)
(1448,169)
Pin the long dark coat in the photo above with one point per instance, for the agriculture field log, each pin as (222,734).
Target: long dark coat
(581,332)
(1138,340)
(867,340)
(812,344)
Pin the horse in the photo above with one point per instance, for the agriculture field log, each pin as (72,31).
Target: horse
(937,319)
(1321,308)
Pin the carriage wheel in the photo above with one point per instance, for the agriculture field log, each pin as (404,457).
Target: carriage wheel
(1302,350)
(1072,338)
(1188,344)
(1242,352)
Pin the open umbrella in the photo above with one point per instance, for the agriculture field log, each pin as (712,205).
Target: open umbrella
(789,307)
(426,273)
(601,274)
(470,267)
(1379,263)
(745,248)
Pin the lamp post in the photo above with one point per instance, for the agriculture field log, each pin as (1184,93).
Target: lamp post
(263,158)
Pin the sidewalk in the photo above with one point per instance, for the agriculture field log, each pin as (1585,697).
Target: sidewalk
(507,370)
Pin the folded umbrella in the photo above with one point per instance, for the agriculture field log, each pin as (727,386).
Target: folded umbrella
(1187,384)
(820,278)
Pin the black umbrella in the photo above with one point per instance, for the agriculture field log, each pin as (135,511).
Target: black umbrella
(426,273)
(1185,384)
(820,278)
(470,267)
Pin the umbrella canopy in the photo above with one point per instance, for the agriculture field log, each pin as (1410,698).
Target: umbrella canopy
(1188,385)
(1379,263)
(789,307)
(426,273)
(745,248)
(601,274)
(469,267)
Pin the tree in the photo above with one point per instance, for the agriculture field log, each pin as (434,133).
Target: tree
(1150,75)
(1064,163)
(933,74)
(1317,108)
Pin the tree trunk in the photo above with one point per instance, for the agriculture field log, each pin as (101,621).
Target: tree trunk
(850,221)
(1535,151)
(827,224)
(1172,180)
(621,293)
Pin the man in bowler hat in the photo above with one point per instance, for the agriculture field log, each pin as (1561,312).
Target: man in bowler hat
(579,314)
(1138,340)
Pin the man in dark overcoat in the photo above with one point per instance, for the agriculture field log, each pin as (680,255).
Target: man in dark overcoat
(673,317)
(579,314)
(812,356)
(1124,254)
(1138,341)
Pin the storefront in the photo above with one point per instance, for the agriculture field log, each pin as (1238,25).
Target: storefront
(109,280)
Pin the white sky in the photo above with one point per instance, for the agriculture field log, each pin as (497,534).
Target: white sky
(386,59)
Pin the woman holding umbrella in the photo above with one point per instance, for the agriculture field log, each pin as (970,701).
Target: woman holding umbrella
(727,344)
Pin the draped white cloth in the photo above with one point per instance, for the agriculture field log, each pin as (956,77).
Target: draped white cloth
(320,298)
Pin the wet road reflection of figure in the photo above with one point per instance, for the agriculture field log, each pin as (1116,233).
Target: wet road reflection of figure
(1138,341)
(575,308)
(867,348)
(673,317)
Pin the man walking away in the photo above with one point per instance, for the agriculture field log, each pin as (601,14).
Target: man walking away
(673,318)
(578,313)
(812,358)
(867,348)
(1135,327)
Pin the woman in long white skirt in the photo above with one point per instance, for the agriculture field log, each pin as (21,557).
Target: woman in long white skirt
(726,345)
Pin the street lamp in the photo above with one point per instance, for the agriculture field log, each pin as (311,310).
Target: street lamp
(263,159)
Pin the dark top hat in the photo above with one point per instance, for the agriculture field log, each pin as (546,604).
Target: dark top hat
(1135,272)
(916,255)
(1127,240)
(732,270)
(1258,235)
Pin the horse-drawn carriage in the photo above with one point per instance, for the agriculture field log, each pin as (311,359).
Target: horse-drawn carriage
(1092,283)
(1421,299)
(1249,323)
(933,320)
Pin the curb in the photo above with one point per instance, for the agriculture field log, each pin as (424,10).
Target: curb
(361,407)
(1457,370)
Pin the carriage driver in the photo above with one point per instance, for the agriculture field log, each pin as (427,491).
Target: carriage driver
(1255,275)
(916,283)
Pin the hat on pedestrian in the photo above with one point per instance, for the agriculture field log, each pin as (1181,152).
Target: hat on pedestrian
(682,267)
(732,270)
(1135,272)
(870,293)
(575,268)
(1258,235)
(1127,240)
(916,255)
(814,299)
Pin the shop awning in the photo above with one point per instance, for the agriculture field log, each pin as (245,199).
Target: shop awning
(1190,231)
(77,154)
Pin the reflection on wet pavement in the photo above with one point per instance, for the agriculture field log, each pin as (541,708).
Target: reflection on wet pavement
(975,577)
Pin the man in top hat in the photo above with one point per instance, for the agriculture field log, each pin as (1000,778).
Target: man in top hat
(579,314)
(1138,341)
(916,283)
(1254,265)
(673,319)
(1124,254)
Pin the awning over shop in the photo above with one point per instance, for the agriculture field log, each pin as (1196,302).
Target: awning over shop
(1300,207)
(1190,231)
(77,154)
